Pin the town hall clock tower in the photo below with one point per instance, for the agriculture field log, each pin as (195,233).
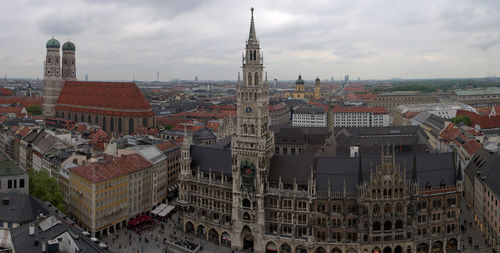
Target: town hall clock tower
(251,148)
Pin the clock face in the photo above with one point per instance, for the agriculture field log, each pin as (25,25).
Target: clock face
(248,109)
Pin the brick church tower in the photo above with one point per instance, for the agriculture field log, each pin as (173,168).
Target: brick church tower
(54,76)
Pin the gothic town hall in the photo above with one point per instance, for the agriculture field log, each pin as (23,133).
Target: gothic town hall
(322,190)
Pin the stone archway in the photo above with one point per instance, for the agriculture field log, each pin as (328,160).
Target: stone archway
(189,227)
(352,250)
(437,247)
(398,249)
(247,237)
(320,250)
(226,239)
(423,248)
(271,247)
(213,236)
(376,250)
(387,250)
(336,250)
(285,248)
(452,245)
(200,230)
(301,249)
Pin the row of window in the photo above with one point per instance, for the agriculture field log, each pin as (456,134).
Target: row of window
(13,184)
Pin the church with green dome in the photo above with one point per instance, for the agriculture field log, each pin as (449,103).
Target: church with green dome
(57,70)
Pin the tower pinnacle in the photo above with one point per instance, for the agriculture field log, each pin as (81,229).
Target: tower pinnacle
(252,36)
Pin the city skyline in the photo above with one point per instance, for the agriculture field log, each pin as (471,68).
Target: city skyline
(366,39)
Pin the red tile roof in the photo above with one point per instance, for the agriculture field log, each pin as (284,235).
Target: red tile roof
(276,107)
(145,131)
(374,110)
(17,110)
(6,92)
(110,98)
(24,101)
(484,121)
(166,145)
(472,146)
(352,96)
(188,127)
(171,121)
(114,167)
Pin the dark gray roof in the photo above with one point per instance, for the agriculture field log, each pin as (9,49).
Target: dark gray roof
(290,168)
(432,169)
(23,242)
(31,136)
(19,122)
(21,207)
(211,158)
(369,139)
(490,172)
(204,134)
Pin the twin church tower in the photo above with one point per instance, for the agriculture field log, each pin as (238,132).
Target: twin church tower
(54,74)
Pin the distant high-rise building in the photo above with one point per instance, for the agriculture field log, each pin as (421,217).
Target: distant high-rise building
(331,79)
(157,75)
(196,78)
(346,78)
(86,78)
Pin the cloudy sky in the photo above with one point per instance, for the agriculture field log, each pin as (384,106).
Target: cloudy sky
(116,39)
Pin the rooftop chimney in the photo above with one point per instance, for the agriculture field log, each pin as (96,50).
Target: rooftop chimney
(32,229)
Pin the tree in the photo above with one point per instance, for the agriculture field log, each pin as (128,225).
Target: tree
(457,120)
(169,127)
(34,109)
(45,188)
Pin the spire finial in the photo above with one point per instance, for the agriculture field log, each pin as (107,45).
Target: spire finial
(252,37)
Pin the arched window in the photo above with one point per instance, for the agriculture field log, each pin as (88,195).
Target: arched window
(251,55)
(252,129)
(399,224)
(111,124)
(104,127)
(249,79)
(89,119)
(245,130)
(145,122)
(120,125)
(97,119)
(75,118)
(254,55)
(256,78)
(399,208)
(387,225)
(376,226)
(376,209)
(387,208)
(131,126)
(246,202)
(82,118)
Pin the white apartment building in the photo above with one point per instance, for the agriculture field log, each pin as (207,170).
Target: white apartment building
(309,116)
(360,117)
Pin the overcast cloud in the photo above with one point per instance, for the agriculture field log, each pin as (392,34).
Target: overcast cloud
(116,39)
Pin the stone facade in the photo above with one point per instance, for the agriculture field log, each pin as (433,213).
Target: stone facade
(245,197)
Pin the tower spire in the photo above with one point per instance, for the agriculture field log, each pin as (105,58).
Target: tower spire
(360,171)
(252,36)
(414,170)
